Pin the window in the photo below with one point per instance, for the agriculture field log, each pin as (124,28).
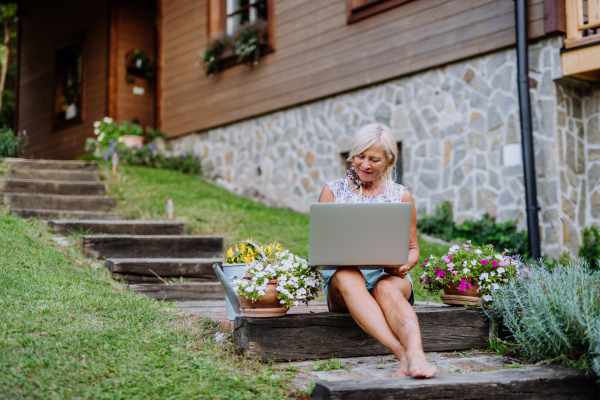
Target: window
(241,11)
(226,16)
(68,94)
(361,9)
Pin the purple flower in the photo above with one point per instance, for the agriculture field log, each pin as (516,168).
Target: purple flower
(169,155)
(184,154)
(151,147)
(142,146)
(112,141)
(561,220)
(105,158)
(197,154)
(551,225)
(119,154)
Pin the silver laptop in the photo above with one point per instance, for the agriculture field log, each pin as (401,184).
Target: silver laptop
(371,236)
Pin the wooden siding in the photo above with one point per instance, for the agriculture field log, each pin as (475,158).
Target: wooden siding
(318,54)
(136,21)
(42,30)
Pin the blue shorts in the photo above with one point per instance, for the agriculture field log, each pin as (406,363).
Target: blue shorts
(371,276)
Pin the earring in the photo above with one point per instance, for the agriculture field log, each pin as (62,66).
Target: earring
(354,177)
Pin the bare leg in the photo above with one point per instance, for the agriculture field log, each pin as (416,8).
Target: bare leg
(392,294)
(347,292)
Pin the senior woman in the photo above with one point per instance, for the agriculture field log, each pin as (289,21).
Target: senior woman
(379,301)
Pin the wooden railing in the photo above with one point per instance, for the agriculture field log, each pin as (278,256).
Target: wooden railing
(583,21)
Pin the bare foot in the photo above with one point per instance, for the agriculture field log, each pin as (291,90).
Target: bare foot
(402,368)
(422,369)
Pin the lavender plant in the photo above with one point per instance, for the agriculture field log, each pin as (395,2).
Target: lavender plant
(553,314)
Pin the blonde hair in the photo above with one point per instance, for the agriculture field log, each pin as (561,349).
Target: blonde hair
(377,135)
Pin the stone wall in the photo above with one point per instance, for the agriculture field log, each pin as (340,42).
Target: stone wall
(460,134)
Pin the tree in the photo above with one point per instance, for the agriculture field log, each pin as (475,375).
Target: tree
(7,14)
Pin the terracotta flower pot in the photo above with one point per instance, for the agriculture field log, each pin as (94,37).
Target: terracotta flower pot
(453,296)
(133,140)
(268,306)
(452,289)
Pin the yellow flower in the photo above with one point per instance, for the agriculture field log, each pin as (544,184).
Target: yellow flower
(248,258)
(229,253)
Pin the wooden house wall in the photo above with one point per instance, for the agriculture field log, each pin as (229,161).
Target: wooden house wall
(136,22)
(318,54)
(43,28)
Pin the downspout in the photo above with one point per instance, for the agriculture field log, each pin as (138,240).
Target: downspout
(533,227)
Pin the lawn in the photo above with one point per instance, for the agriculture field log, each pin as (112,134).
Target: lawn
(69,331)
(142,193)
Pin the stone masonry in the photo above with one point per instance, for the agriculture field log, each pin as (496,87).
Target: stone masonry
(460,133)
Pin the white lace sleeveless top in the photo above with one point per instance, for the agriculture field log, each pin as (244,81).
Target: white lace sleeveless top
(343,193)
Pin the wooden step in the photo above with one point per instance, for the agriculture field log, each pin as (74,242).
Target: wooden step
(181,291)
(21,163)
(58,202)
(139,270)
(64,214)
(119,227)
(535,382)
(53,174)
(326,335)
(164,246)
(52,187)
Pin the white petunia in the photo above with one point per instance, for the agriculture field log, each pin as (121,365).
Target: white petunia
(487,297)
(501,270)
(97,124)
(464,263)
(495,286)
(261,292)
(492,273)
(96,132)
(108,120)
(499,257)
(483,276)
(101,137)
(466,271)
(453,248)
(477,251)
(473,262)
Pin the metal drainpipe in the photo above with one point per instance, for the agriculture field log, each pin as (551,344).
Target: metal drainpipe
(533,227)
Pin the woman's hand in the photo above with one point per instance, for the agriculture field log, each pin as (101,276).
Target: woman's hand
(402,271)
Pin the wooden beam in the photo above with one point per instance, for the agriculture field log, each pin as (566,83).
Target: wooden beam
(554,16)
(581,60)
(538,382)
(160,62)
(326,335)
(113,61)
(199,291)
(369,9)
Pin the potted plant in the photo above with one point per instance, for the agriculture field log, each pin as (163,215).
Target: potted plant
(216,49)
(139,64)
(468,274)
(131,135)
(269,281)
(249,40)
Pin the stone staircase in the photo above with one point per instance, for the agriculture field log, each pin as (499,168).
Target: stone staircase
(151,256)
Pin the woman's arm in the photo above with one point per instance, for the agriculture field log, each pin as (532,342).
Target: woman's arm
(413,248)
(327,196)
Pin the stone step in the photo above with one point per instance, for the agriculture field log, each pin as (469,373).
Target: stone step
(326,335)
(21,163)
(535,382)
(53,174)
(139,270)
(58,202)
(64,214)
(52,187)
(119,227)
(154,246)
(181,291)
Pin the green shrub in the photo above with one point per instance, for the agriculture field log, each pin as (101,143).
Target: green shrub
(481,232)
(553,314)
(11,145)
(151,157)
(590,251)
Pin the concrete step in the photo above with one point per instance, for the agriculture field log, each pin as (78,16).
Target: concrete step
(53,174)
(535,382)
(52,187)
(64,214)
(21,163)
(138,270)
(181,291)
(153,246)
(119,227)
(58,202)
(325,335)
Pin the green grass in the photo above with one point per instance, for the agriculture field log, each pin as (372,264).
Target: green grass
(68,332)
(329,365)
(142,193)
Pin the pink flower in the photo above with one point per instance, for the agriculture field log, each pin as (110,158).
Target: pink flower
(451,265)
(468,241)
(441,273)
(489,257)
(463,282)
(506,250)
(454,273)
(483,262)
(462,287)
(506,280)
(494,263)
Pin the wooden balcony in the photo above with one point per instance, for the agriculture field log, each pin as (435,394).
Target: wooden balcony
(581,55)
